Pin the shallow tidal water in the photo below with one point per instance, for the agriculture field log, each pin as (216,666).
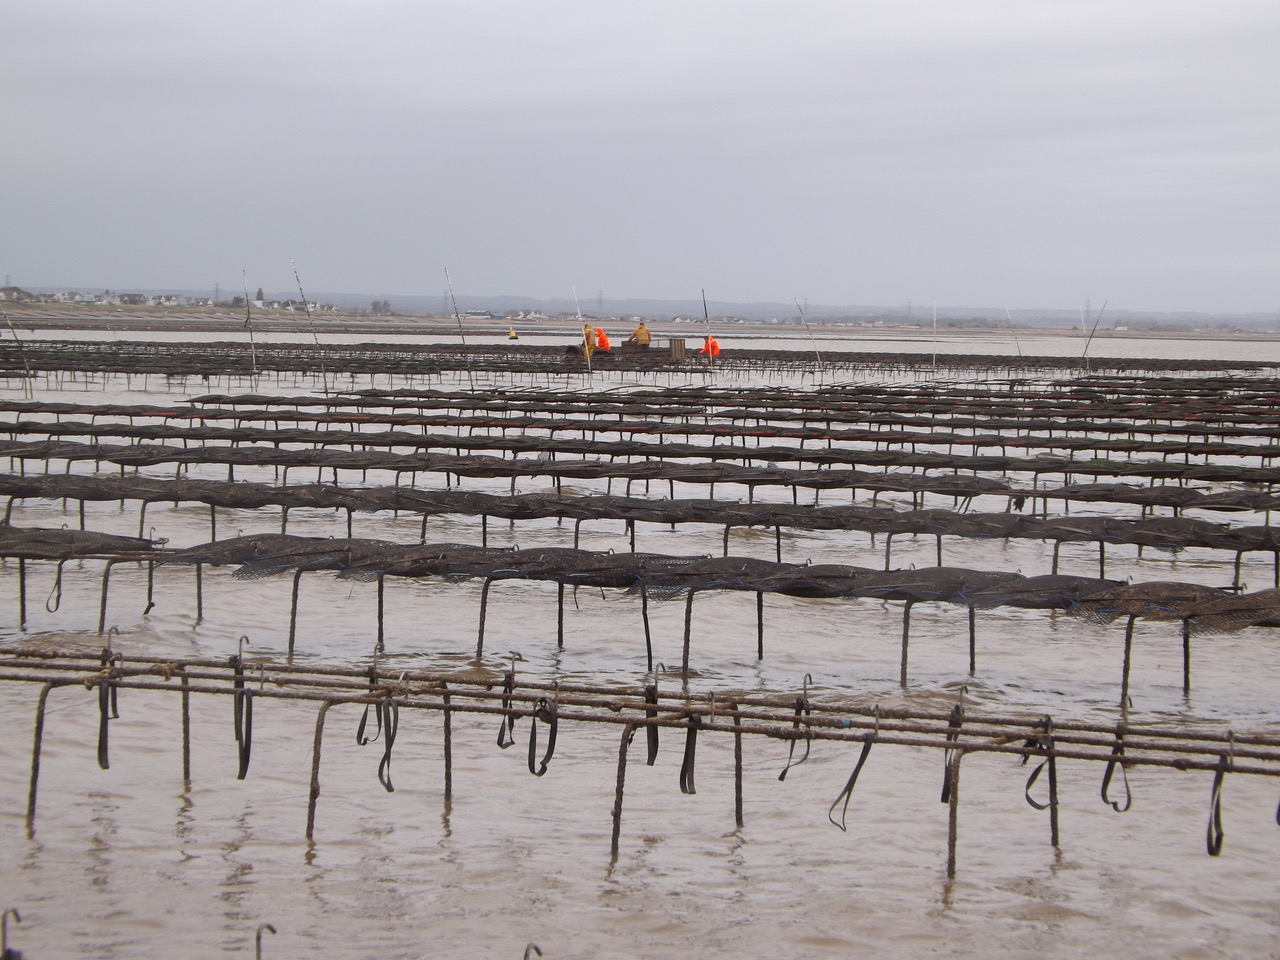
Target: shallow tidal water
(129,862)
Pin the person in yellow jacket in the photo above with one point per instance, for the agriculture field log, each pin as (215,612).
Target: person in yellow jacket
(602,340)
(588,341)
(640,337)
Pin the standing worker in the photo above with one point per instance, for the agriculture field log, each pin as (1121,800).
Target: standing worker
(711,348)
(640,336)
(602,340)
(588,341)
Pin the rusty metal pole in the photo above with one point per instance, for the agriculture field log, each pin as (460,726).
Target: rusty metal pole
(688,628)
(627,731)
(293,613)
(315,768)
(953,813)
(38,739)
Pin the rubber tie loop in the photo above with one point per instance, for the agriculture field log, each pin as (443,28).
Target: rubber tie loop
(690,755)
(544,710)
(361,739)
(388,712)
(54,600)
(803,709)
(1117,759)
(244,727)
(1043,746)
(1214,835)
(651,729)
(867,740)
(108,706)
(507,732)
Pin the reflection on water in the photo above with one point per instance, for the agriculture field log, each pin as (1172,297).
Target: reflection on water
(133,862)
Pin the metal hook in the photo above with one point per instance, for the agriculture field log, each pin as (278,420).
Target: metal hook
(257,940)
(4,931)
(110,658)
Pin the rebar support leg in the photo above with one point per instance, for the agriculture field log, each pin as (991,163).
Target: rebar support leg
(627,731)
(315,768)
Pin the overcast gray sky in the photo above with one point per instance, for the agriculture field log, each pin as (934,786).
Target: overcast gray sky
(980,153)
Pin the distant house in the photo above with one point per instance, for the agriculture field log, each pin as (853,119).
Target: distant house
(15,295)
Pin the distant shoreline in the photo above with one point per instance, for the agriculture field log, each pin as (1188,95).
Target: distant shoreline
(35,317)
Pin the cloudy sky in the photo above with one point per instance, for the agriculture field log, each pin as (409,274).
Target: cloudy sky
(981,153)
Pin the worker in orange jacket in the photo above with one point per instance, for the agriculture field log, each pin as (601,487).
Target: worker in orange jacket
(602,339)
(711,348)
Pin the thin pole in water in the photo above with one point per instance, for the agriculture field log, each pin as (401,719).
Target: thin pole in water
(805,319)
(253,350)
(1017,343)
(324,378)
(586,351)
(457,316)
(935,339)
(1092,332)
